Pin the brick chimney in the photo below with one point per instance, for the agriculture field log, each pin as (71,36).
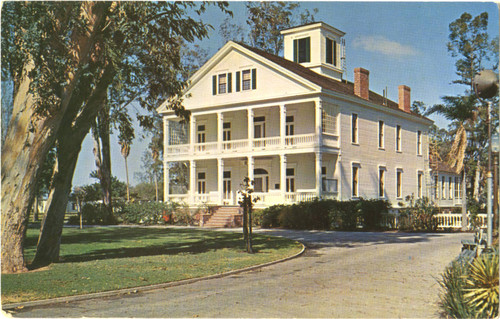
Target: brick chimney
(404,98)
(361,83)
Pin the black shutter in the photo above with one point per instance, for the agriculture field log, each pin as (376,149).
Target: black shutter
(329,51)
(238,82)
(229,82)
(214,85)
(254,79)
(295,50)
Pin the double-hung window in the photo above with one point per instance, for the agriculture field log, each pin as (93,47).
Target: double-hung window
(450,188)
(331,51)
(302,50)
(246,80)
(419,142)
(290,180)
(381,134)
(443,187)
(420,177)
(399,183)
(398,138)
(457,187)
(355,180)
(354,128)
(381,182)
(222,83)
(202,183)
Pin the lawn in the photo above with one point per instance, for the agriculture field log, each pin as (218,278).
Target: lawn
(107,258)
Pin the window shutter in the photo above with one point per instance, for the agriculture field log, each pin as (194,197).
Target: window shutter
(254,79)
(329,51)
(214,85)
(229,82)
(308,49)
(295,50)
(238,82)
(335,53)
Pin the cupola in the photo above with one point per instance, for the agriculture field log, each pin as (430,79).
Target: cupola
(317,46)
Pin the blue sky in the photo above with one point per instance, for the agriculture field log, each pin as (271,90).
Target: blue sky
(398,42)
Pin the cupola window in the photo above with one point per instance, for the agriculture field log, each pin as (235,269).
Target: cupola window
(302,50)
(331,51)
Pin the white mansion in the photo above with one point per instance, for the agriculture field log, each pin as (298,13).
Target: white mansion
(295,127)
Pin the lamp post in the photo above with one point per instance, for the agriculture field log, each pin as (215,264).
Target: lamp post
(485,85)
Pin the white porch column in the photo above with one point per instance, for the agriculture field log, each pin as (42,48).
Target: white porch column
(283,175)
(220,179)
(283,124)
(166,135)
(192,180)
(251,163)
(220,129)
(318,173)
(166,178)
(192,132)
(250,128)
(319,125)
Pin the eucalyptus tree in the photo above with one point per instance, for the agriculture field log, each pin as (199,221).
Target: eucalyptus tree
(63,57)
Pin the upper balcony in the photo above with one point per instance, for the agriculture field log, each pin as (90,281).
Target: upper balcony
(254,130)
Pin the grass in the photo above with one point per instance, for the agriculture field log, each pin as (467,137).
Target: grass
(109,258)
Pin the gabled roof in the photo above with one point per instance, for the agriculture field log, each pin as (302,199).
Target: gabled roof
(343,87)
(437,165)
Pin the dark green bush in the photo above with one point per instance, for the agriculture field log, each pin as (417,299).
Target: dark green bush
(94,214)
(418,215)
(326,214)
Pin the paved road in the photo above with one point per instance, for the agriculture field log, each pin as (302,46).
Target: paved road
(342,274)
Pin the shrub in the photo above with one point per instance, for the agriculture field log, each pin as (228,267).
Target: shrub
(147,213)
(182,215)
(94,214)
(269,216)
(418,215)
(372,211)
(470,290)
(345,215)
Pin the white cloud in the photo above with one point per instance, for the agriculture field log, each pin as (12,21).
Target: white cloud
(383,45)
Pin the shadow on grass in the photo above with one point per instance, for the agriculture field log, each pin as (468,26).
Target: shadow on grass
(176,241)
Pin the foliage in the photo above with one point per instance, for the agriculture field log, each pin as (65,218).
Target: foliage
(418,215)
(182,215)
(146,213)
(145,191)
(107,258)
(452,299)
(326,214)
(265,21)
(94,214)
(470,290)
(475,208)
(93,192)
(482,285)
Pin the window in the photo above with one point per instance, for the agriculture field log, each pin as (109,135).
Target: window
(398,138)
(201,183)
(399,183)
(381,182)
(450,188)
(246,80)
(436,187)
(419,143)
(222,83)
(290,180)
(259,127)
(331,51)
(354,128)
(226,184)
(443,189)
(329,119)
(355,180)
(302,50)
(380,134)
(290,125)
(457,187)
(420,176)
(201,133)
(226,131)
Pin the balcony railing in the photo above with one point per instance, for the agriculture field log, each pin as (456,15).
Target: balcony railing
(246,145)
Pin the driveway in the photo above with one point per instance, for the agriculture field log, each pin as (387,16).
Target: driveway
(342,274)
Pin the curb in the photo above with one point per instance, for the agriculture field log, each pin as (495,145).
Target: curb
(135,290)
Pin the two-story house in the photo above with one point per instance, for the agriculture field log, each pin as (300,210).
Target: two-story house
(296,127)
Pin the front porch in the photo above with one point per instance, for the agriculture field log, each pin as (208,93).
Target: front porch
(278,179)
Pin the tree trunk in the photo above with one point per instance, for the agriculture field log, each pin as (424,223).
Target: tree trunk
(35,209)
(126,174)
(49,241)
(29,138)
(465,219)
(156,187)
(249,211)
(477,179)
(70,138)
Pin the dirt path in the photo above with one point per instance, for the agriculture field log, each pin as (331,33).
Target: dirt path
(382,275)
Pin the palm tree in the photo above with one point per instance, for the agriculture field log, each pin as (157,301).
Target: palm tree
(125,150)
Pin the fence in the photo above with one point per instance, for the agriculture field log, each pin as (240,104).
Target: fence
(445,221)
